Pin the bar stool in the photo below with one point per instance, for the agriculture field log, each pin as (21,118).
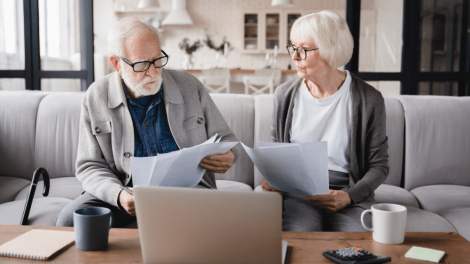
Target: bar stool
(265,79)
(216,80)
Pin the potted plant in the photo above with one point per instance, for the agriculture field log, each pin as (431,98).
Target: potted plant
(189,50)
(223,49)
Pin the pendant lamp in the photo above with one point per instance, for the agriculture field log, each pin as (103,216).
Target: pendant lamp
(178,14)
(282,3)
(148,3)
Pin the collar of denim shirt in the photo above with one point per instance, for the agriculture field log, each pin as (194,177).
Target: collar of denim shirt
(144,102)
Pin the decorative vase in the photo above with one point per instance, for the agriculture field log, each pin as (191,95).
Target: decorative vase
(217,58)
(188,61)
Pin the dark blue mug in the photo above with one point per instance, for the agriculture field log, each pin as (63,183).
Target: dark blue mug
(92,226)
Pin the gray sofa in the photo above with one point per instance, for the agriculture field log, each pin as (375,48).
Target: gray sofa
(429,148)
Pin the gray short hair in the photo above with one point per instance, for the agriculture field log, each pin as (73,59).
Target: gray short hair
(126,28)
(331,34)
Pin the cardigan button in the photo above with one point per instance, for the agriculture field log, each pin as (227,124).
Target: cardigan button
(200,120)
(98,130)
(127,154)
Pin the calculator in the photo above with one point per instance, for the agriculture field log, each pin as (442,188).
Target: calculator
(354,255)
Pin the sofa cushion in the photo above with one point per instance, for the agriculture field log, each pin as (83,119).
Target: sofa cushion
(387,194)
(418,220)
(18,110)
(65,187)
(10,187)
(440,198)
(459,218)
(437,140)
(233,186)
(43,211)
(57,130)
(395,123)
(238,112)
(393,194)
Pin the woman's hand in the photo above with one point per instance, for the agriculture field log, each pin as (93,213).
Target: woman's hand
(267,188)
(332,202)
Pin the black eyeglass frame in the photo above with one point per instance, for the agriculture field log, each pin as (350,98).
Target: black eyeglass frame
(296,49)
(150,62)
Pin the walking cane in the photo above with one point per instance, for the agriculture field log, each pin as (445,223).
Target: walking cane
(29,200)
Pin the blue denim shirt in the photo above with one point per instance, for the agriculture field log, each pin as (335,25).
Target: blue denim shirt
(152,133)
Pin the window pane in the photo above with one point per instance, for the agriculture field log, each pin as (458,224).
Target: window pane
(381,36)
(60,85)
(59,34)
(13,84)
(387,88)
(11,35)
(440,41)
(438,88)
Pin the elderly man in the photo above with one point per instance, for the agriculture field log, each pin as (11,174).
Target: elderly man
(140,110)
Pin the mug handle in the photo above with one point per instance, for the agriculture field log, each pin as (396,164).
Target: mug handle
(111,217)
(362,220)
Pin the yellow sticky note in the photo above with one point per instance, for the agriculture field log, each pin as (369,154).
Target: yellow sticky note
(426,254)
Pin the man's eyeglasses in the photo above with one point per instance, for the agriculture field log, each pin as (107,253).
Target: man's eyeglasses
(145,65)
(301,52)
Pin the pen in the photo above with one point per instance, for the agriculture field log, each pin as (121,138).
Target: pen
(127,190)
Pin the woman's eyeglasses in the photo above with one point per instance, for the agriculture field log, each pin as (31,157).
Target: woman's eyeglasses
(301,52)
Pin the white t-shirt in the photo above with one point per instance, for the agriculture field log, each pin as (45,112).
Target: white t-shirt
(326,119)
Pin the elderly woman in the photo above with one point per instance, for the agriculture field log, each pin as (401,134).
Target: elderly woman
(327,104)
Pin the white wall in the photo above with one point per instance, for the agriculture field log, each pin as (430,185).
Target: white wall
(218,18)
(381,32)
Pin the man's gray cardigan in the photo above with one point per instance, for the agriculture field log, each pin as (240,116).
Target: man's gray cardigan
(369,143)
(106,138)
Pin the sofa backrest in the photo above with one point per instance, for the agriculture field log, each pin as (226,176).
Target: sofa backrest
(239,112)
(263,120)
(437,140)
(18,110)
(52,126)
(395,133)
(58,122)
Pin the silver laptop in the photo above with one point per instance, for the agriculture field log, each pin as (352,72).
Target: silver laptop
(179,225)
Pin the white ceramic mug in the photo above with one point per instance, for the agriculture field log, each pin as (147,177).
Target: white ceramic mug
(388,223)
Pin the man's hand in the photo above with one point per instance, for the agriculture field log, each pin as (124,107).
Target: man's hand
(332,202)
(268,188)
(218,163)
(127,201)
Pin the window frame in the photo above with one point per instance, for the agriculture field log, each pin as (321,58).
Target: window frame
(32,72)
(410,75)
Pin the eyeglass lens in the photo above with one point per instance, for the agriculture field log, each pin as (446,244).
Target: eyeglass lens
(143,66)
(300,52)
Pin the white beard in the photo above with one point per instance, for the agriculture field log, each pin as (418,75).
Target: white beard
(138,86)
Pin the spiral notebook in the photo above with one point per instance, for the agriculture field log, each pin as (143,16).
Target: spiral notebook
(38,244)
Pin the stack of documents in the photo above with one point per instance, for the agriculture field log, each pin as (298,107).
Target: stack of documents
(178,168)
(297,168)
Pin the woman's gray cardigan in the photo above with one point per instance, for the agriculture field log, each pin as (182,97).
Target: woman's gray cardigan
(369,143)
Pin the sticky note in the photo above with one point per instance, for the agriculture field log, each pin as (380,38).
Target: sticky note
(426,254)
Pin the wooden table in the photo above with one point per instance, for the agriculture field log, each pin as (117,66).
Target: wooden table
(304,247)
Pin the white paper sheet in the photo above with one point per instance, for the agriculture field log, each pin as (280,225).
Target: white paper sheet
(142,168)
(292,167)
(284,251)
(177,168)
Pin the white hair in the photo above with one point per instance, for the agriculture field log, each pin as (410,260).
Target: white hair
(331,34)
(126,28)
